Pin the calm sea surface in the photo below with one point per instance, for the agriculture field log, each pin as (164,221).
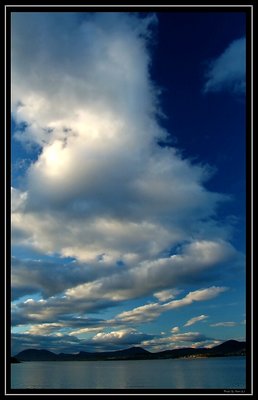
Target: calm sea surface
(206,373)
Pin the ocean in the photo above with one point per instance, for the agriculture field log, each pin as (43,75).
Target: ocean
(202,373)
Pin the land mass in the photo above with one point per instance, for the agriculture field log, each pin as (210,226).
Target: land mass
(228,348)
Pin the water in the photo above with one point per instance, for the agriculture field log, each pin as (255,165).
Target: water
(203,373)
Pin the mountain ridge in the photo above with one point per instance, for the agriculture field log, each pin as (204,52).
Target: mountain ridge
(228,348)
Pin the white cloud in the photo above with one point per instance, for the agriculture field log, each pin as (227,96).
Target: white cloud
(197,295)
(195,260)
(83,287)
(225,324)
(100,178)
(228,71)
(58,328)
(175,329)
(44,329)
(121,338)
(187,337)
(57,309)
(50,278)
(113,336)
(140,314)
(82,331)
(165,295)
(151,311)
(195,319)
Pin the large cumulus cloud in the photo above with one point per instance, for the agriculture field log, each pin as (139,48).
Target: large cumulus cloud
(101,187)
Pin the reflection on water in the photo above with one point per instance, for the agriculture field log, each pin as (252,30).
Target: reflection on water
(206,373)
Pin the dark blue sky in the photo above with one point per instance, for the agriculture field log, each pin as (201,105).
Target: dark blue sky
(210,128)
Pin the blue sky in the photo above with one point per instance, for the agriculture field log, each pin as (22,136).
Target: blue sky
(128,180)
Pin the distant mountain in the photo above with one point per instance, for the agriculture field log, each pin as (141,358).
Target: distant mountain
(132,352)
(45,355)
(183,352)
(228,348)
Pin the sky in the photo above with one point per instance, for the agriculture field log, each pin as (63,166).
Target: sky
(128,179)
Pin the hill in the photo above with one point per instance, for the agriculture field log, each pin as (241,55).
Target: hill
(228,348)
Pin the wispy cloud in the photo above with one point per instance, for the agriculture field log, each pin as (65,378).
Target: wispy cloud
(228,71)
(151,311)
(225,324)
(195,319)
(165,295)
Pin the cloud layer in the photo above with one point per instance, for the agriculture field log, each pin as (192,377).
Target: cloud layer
(113,340)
